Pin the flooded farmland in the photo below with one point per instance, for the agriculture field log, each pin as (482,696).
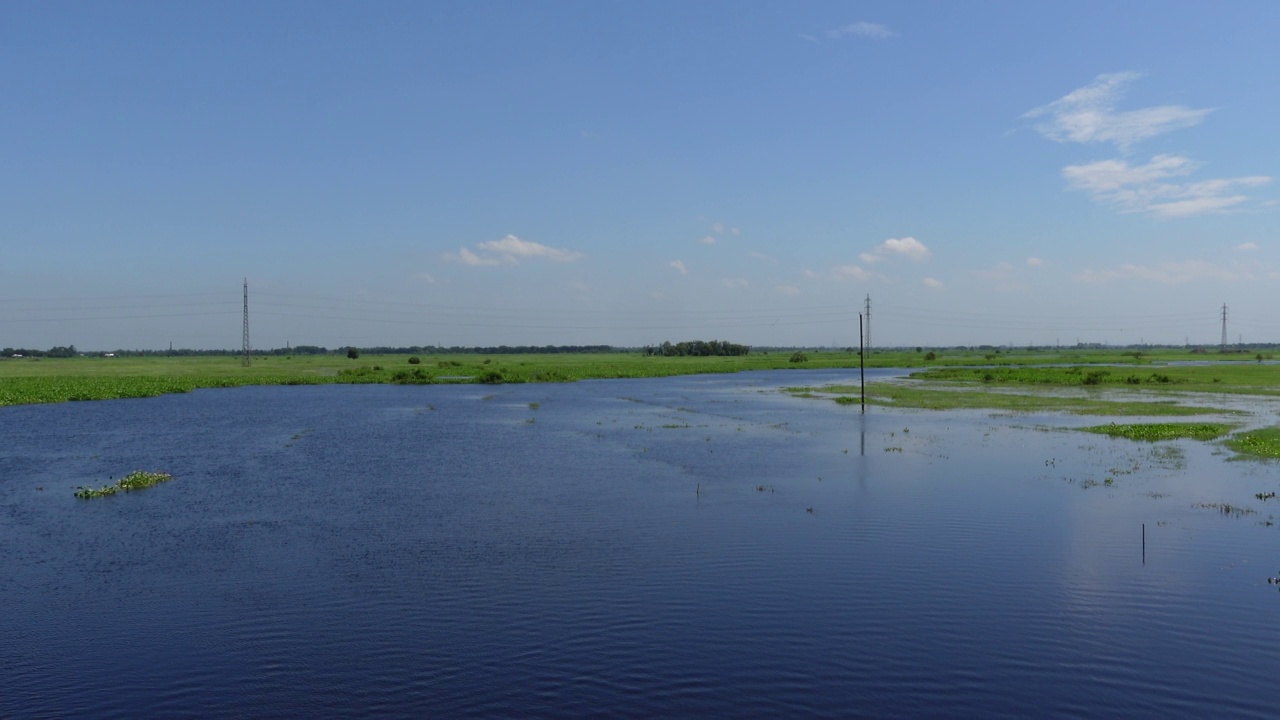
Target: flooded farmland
(680,547)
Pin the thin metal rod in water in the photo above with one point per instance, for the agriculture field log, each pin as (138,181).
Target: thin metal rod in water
(1144,543)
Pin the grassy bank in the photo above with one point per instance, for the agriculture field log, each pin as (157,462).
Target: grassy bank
(28,380)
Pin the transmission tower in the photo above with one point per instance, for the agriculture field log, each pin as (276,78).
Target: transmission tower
(1224,327)
(868,331)
(247,359)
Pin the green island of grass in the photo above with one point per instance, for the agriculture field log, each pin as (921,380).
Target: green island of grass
(929,397)
(136,480)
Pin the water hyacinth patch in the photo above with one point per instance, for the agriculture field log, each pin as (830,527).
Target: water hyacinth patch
(1155,432)
(136,480)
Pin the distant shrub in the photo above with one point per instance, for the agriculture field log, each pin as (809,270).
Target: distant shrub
(352,353)
(1095,378)
(799,357)
(491,377)
(931,355)
(415,360)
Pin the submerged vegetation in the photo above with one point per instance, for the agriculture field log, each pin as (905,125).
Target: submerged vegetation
(136,480)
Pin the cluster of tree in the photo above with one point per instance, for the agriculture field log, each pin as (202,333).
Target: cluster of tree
(696,348)
(54,352)
(71,351)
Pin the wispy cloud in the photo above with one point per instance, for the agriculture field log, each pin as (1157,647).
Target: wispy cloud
(934,284)
(1089,115)
(425,277)
(1001,271)
(907,247)
(1035,261)
(708,240)
(787,289)
(509,251)
(467,257)
(734,282)
(850,272)
(1169,273)
(1144,188)
(513,246)
(863,29)
(1247,247)
(679,266)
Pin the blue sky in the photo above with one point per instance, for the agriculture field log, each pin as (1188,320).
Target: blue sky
(627,173)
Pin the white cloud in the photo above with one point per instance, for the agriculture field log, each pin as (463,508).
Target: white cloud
(845,272)
(513,247)
(1088,115)
(425,277)
(933,283)
(735,231)
(869,258)
(708,240)
(1034,261)
(1246,247)
(810,274)
(907,246)
(1144,188)
(734,282)
(466,257)
(862,28)
(679,266)
(508,251)
(787,289)
(717,228)
(1169,273)
(762,257)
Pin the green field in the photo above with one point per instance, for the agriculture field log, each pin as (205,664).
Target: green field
(37,380)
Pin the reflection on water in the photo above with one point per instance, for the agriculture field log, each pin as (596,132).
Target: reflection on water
(601,548)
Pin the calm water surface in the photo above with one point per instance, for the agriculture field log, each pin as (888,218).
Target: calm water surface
(684,547)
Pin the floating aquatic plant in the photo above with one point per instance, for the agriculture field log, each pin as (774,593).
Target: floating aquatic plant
(135,480)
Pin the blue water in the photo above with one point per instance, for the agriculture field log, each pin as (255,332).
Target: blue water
(683,547)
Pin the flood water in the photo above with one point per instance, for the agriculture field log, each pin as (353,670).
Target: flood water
(682,547)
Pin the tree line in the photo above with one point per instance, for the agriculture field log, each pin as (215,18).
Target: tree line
(696,348)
